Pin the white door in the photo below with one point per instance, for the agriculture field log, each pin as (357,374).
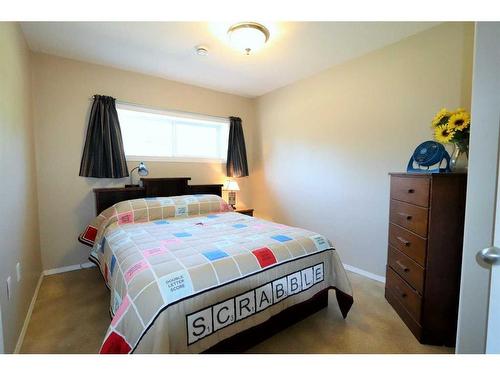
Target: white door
(493,331)
(480,215)
(491,256)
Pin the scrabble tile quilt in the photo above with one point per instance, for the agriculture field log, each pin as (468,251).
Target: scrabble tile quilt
(186,272)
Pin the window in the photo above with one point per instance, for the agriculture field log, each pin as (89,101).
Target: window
(150,134)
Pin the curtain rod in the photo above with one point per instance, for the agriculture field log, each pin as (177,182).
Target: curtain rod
(118,101)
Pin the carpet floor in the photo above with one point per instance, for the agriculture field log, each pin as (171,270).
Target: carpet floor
(71,316)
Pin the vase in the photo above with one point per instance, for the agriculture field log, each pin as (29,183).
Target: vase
(459,160)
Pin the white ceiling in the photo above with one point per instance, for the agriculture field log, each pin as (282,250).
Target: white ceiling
(294,51)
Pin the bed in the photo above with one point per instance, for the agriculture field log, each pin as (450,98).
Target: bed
(187,274)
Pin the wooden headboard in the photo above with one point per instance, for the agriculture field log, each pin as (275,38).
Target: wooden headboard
(151,187)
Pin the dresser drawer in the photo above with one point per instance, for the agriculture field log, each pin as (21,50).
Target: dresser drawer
(413,190)
(404,294)
(409,243)
(407,269)
(408,216)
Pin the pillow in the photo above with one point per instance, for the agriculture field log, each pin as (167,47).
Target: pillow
(149,209)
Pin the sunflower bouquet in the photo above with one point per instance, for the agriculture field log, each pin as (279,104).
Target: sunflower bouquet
(453,127)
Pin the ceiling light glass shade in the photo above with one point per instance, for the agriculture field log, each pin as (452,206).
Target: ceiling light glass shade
(248,36)
(231,185)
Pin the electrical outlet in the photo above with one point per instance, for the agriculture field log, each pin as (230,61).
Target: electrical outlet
(18,271)
(9,290)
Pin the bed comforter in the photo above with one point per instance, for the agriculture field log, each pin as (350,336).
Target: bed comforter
(186,272)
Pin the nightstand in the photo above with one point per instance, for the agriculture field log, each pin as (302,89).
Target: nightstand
(244,211)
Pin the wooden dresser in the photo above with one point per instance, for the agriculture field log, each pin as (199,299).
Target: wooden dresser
(425,253)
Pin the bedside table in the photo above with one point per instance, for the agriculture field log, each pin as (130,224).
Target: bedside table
(244,211)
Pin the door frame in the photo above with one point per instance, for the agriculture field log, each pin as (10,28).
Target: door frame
(481,189)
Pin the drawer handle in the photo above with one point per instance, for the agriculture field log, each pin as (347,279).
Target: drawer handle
(403,241)
(401,293)
(402,266)
(411,191)
(406,216)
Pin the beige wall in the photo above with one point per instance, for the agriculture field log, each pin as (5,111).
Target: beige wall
(62,92)
(19,240)
(325,145)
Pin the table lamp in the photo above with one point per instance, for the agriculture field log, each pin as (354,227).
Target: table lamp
(232,187)
(142,171)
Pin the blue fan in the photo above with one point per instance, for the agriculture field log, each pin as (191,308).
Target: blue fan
(428,157)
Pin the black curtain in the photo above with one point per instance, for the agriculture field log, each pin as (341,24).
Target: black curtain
(236,165)
(103,154)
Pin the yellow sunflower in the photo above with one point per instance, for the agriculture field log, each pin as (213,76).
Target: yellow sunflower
(459,120)
(440,115)
(444,133)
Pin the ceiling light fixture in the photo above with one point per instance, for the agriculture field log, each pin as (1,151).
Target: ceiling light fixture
(248,36)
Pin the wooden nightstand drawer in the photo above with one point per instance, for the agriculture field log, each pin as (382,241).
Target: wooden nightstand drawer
(407,269)
(245,211)
(413,190)
(409,243)
(408,216)
(404,294)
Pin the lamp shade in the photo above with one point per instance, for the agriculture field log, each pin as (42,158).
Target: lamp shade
(231,185)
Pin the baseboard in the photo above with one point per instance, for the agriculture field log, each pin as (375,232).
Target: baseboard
(73,267)
(27,319)
(364,273)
